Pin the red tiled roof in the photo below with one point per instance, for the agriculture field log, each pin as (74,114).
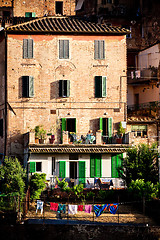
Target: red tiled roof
(65,25)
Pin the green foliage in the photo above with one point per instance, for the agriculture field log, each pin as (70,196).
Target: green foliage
(140,163)
(140,189)
(90,195)
(37,185)
(78,191)
(102,194)
(40,132)
(12,177)
(63,184)
(120,130)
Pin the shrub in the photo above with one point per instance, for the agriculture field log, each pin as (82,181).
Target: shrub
(63,184)
(37,185)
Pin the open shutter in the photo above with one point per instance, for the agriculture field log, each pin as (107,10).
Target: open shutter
(25,86)
(62,169)
(103,86)
(63,127)
(31,86)
(32,167)
(25,48)
(110,127)
(82,172)
(101,124)
(61,49)
(30,48)
(92,166)
(68,88)
(98,84)
(66,49)
(33,14)
(114,166)
(98,165)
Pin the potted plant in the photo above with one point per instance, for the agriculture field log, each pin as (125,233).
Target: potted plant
(36,130)
(40,134)
(53,130)
(120,133)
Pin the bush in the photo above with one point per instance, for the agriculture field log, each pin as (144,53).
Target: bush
(37,185)
(63,184)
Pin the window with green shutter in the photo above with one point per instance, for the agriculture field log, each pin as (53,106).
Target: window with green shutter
(116,161)
(27,86)
(99,49)
(28,48)
(30,14)
(82,172)
(62,169)
(32,167)
(63,49)
(64,88)
(110,127)
(95,165)
(100,86)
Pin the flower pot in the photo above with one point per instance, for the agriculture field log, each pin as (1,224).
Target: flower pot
(36,140)
(51,141)
(41,141)
(119,140)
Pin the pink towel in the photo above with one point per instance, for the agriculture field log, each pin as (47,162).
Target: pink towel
(80,207)
(54,206)
(88,208)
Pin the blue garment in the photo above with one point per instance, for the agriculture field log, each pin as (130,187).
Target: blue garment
(99,209)
(61,208)
(112,208)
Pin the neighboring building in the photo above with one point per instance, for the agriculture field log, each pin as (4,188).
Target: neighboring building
(62,68)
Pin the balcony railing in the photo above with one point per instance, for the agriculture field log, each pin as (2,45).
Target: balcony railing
(150,106)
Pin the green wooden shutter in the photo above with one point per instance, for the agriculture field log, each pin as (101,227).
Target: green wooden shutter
(110,127)
(98,88)
(32,167)
(30,48)
(62,169)
(28,14)
(33,14)
(103,86)
(63,127)
(98,163)
(31,86)
(25,48)
(114,166)
(101,124)
(68,88)
(66,49)
(92,166)
(82,172)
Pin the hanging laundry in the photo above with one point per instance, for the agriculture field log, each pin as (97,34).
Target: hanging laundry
(99,209)
(88,208)
(62,208)
(39,206)
(54,206)
(80,207)
(72,209)
(112,208)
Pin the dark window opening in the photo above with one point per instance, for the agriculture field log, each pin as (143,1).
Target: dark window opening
(38,166)
(73,170)
(27,86)
(64,88)
(73,156)
(59,8)
(1,128)
(53,165)
(6,14)
(70,125)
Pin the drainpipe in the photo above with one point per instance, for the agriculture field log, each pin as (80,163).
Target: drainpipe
(5,114)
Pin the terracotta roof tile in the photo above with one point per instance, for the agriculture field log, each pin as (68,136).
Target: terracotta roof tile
(65,25)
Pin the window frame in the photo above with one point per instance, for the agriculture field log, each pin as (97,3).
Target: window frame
(39,163)
(100,87)
(99,49)
(27,82)
(64,88)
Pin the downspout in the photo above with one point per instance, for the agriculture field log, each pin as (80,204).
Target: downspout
(5,115)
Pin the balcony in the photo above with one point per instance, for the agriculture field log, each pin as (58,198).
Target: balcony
(142,76)
(148,109)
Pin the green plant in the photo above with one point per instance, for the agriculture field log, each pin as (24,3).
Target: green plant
(63,184)
(40,132)
(37,185)
(90,195)
(78,191)
(120,130)
(102,194)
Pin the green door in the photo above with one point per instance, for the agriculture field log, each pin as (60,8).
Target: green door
(62,169)
(82,172)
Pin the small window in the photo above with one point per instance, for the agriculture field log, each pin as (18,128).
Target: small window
(100,86)
(99,49)
(139,130)
(38,167)
(59,7)
(27,86)
(27,48)
(1,128)
(63,49)
(30,14)
(64,88)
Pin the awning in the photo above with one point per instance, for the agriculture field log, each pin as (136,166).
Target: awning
(79,5)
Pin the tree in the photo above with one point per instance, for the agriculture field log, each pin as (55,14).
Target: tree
(141,163)
(12,177)
(37,185)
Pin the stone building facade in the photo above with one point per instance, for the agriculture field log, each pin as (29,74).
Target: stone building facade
(72,71)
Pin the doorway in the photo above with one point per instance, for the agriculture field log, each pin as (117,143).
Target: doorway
(73,170)
(59,8)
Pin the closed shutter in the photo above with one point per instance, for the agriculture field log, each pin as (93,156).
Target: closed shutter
(82,171)
(103,86)
(102,49)
(61,49)
(25,48)
(98,86)
(96,49)
(62,169)
(114,166)
(98,161)
(68,88)
(99,49)
(110,127)
(92,166)
(25,86)
(66,49)
(32,167)
(31,86)
(30,48)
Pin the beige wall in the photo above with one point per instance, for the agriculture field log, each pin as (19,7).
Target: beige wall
(42,7)
(81,69)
